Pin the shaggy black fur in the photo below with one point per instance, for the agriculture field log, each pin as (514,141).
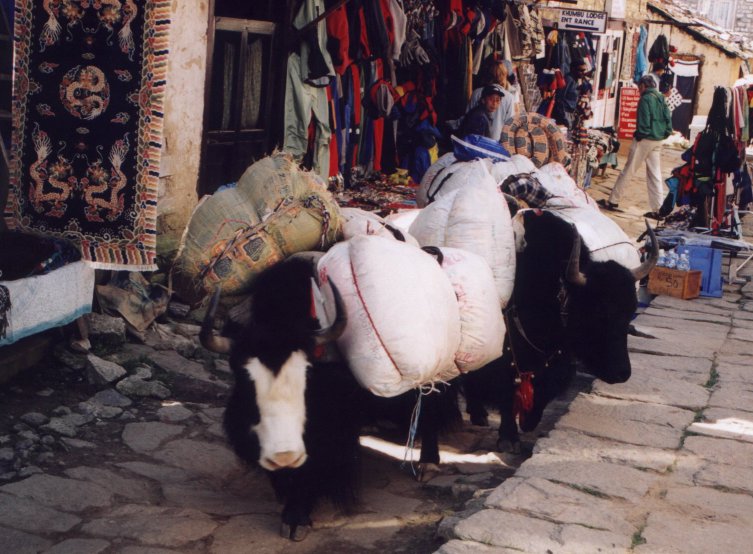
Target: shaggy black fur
(595,332)
(336,406)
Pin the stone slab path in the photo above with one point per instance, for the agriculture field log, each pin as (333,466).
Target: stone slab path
(660,464)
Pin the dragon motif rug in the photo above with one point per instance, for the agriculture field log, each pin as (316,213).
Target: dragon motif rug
(87,125)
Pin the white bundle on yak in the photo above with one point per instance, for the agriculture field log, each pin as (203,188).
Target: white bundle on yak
(516,165)
(435,173)
(360,222)
(603,237)
(474,217)
(482,327)
(403,326)
(555,179)
(403,219)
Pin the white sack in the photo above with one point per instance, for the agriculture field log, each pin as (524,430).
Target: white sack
(555,179)
(482,327)
(477,219)
(603,237)
(456,176)
(403,320)
(515,166)
(403,220)
(436,172)
(360,222)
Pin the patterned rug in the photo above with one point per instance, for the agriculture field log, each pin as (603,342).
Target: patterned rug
(87,125)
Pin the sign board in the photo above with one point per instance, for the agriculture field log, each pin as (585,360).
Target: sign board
(582,20)
(629,97)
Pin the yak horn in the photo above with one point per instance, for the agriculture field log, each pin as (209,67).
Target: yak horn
(331,333)
(642,270)
(574,274)
(207,336)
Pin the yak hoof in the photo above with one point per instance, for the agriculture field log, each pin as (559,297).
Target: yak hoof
(294,532)
(507,445)
(480,420)
(427,472)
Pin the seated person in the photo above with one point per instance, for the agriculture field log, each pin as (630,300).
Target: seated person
(479,120)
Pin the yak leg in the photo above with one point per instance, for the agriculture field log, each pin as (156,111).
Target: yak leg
(439,413)
(295,486)
(473,386)
(508,439)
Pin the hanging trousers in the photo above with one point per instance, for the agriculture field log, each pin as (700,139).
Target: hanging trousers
(301,102)
(648,151)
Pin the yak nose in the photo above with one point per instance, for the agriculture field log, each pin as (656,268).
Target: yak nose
(281,460)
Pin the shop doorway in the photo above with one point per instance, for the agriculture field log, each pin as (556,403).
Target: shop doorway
(245,63)
(606,77)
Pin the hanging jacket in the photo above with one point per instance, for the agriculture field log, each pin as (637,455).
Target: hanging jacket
(641,61)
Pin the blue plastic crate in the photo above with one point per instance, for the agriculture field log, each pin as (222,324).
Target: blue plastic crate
(709,261)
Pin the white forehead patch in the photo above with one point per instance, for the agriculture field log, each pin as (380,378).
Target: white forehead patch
(281,399)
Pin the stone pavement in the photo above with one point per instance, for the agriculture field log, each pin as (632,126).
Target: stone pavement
(660,464)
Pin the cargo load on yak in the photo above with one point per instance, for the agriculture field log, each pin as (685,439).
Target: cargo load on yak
(604,238)
(414,318)
(473,217)
(482,326)
(360,222)
(275,210)
(403,319)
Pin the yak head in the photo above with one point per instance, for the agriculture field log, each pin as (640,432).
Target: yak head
(271,356)
(601,300)
(569,304)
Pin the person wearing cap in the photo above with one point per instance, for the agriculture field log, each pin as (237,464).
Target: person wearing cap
(479,120)
(653,126)
(498,72)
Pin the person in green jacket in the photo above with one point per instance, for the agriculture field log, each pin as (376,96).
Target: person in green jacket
(653,126)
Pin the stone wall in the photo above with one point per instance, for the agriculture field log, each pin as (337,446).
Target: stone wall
(744,18)
(184,113)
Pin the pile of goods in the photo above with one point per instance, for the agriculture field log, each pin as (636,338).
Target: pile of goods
(379,193)
(275,210)
(535,137)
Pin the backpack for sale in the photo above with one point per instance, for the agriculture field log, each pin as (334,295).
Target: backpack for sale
(666,81)
(659,51)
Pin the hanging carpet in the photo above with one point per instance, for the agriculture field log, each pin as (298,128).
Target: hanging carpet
(87,125)
(684,84)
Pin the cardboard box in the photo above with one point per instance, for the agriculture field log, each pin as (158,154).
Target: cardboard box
(672,282)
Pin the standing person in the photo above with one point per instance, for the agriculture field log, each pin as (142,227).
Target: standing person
(479,120)
(656,74)
(653,126)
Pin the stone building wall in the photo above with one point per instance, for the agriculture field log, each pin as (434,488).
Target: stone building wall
(184,112)
(744,17)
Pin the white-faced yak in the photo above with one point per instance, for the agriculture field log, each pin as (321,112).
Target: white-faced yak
(295,408)
(565,307)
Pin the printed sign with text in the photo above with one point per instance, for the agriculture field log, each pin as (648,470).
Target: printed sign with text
(629,97)
(582,20)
